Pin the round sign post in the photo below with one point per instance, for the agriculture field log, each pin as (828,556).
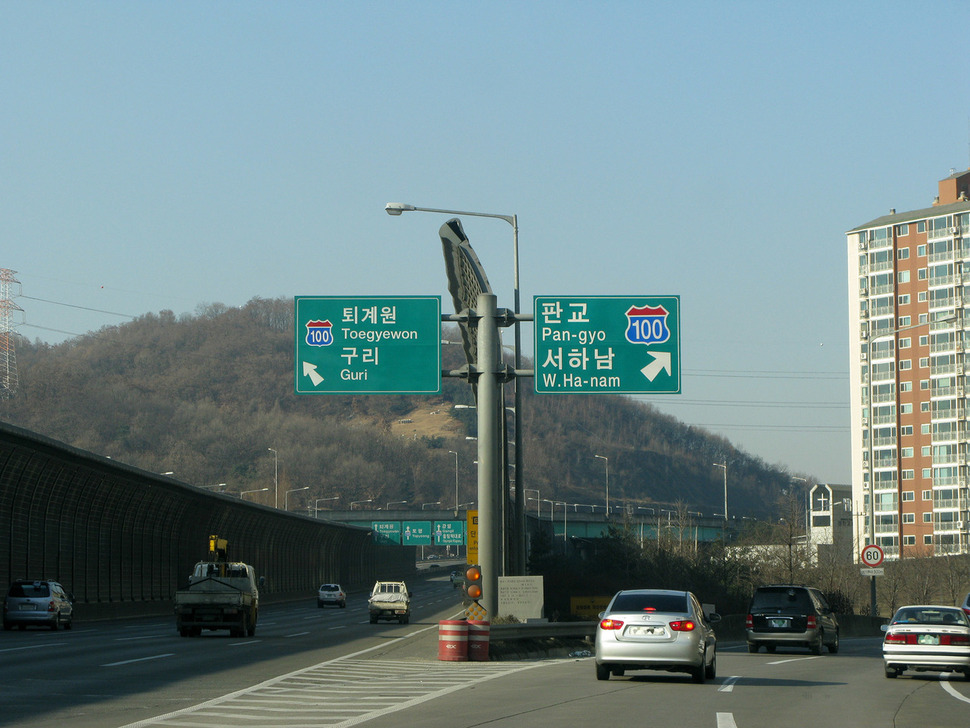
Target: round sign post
(872,555)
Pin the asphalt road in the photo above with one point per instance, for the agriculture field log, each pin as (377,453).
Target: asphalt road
(330,667)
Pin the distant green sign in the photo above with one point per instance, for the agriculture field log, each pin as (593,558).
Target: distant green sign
(369,345)
(607,344)
(386,532)
(449,533)
(416,533)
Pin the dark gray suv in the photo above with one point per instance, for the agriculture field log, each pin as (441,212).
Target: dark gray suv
(791,616)
(43,603)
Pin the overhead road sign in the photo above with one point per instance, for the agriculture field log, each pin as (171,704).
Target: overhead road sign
(368,345)
(607,344)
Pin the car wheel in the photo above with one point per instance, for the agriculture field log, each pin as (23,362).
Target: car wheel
(602,672)
(817,644)
(618,672)
(710,672)
(770,648)
(373,620)
(56,624)
(834,647)
(891,672)
(700,672)
(752,647)
(69,623)
(343,605)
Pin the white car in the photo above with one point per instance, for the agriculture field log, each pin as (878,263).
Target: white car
(331,594)
(654,629)
(927,638)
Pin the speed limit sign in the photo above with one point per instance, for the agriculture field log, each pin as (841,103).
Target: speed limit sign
(872,555)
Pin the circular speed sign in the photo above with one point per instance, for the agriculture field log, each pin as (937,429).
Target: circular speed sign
(872,555)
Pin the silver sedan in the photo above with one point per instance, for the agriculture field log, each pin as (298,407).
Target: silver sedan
(656,629)
(927,638)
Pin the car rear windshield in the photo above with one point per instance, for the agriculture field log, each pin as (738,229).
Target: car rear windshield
(781,598)
(676,603)
(929,615)
(329,587)
(29,590)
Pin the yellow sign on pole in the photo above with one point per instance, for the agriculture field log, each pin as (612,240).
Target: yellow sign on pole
(475,611)
(471,550)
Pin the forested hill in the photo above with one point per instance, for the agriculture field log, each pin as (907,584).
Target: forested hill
(207,396)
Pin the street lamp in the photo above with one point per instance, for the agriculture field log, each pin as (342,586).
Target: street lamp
(353,503)
(258,490)
(723,466)
(455,453)
(425,505)
(215,485)
(316,505)
(286,496)
(276,474)
(394,503)
(603,457)
(396,208)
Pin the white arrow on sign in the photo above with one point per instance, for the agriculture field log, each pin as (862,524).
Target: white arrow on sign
(661,361)
(310,370)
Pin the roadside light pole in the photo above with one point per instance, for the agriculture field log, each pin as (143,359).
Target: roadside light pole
(397,208)
(286,497)
(276,474)
(607,460)
(453,452)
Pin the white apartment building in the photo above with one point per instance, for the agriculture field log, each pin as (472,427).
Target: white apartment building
(909,307)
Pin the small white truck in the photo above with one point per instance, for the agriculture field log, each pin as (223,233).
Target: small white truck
(389,600)
(220,594)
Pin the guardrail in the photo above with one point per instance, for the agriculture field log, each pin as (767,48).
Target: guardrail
(542,630)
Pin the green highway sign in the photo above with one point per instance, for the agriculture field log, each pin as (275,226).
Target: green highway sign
(607,344)
(449,533)
(368,345)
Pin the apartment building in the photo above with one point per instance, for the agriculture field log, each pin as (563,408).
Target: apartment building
(909,305)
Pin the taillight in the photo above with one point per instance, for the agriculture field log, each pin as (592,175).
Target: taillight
(900,639)
(610,624)
(749,621)
(682,625)
(810,622)
(50,606)
(954,639)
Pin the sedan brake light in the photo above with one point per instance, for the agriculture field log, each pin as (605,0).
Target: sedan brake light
(749,621)
(682,625)
(610,624)
(810,622)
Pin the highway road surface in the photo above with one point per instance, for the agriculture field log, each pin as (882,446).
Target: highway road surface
(329,667)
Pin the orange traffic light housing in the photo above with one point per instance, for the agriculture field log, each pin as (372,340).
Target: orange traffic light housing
(473,582)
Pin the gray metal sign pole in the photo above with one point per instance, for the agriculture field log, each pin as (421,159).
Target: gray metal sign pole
(489,451)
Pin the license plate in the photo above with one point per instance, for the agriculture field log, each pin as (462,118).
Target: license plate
(28,607)
(641,631)
(928,639)
(779,623)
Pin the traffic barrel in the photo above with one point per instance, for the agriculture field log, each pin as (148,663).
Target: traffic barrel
(478,635)
(453,640)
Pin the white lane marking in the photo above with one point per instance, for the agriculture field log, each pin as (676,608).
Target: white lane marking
(138,659)
(248,642)
(132,639)
(726,720)
(952,690)
(794,659)
(729,683)
(297,634)
(33,647)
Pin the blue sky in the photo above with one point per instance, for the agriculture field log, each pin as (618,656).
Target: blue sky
(159,156)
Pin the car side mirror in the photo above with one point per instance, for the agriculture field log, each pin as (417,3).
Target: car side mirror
(883,627)
(713,617)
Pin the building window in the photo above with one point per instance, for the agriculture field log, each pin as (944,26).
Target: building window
(921,274)
(909,474)
(924,340)
(921,296)
(927,473)
(903,276)
(904,299)
(902,253)
(902,230)
(909,540)
(906,408)
(926,451)
(927,517)
(923,407)
(905,343)
(924,384)
(921,250)
(905,364)
(928,540)
(924,363)
(921,226)
(906,430)
(909,495)
(905,386)
(909,518)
